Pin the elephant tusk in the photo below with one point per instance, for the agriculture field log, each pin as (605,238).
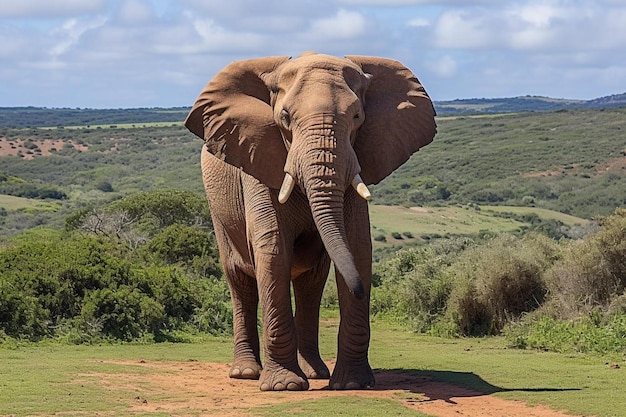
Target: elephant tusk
(360,187)
(286,189)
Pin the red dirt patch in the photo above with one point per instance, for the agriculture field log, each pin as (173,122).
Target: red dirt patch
(28,149)
(204,389)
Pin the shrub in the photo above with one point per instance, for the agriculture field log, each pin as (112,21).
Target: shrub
(104,186)
(591,333)
(380,238)
(593,271)
(181,243)
(415,284)
(166,206)
(498,282)
(87,287)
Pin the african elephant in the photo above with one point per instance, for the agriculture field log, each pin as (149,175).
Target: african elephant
(284,141)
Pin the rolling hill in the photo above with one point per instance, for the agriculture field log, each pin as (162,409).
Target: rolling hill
(26,117)
(569,161)
(522,104)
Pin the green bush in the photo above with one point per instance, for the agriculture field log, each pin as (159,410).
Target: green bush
(592,272)
(380,238)
(166,206)
(593,333)
(86,287)
(499,282)
(415,284)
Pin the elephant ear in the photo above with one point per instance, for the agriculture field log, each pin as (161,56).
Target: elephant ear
(234,117)
(399,118)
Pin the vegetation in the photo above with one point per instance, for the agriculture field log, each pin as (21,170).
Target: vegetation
(523,104)
(519,285)
(123,272)
(573,162)
(505,224)
(25,117)
(47,379)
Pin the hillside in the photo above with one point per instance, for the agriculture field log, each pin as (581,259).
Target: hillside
(570,161)
(522,104)
(23,117)
(27,117)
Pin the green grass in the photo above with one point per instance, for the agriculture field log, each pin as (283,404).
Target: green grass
(51,378)
(566,219)
(10,202)
(497,160)
(339,406)
(452,220)
(138,125)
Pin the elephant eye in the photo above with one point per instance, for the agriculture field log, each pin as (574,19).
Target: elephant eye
(284,115)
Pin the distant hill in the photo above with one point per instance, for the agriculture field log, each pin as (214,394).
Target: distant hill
(475,106)
(27,117)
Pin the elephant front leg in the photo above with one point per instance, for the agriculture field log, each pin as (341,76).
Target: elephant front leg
(352,370)
(281,370)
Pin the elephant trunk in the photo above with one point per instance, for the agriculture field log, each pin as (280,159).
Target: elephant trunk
(327,209)
(326,166)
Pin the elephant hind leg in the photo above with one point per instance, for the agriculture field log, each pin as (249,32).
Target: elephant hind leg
(245,299)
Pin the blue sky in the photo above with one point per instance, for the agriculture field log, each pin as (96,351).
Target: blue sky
(160,53)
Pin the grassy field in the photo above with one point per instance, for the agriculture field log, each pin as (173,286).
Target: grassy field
(421,223)
(53,379)
(116,126)
(566,219)
(10,202)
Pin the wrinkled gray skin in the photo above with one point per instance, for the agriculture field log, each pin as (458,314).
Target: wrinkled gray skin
(322,120)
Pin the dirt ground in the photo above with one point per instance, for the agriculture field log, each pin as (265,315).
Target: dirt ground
(199,388)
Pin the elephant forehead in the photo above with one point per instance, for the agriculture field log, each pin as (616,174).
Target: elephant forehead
(319,62)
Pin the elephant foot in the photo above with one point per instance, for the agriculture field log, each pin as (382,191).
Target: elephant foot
(245,369)
(278,378)
(313,366)
(351,376)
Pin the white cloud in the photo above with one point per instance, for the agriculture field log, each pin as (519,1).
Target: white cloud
(69,34)
(44,9)
(135,11)
(343,25)
(419,22)
(215,38)
(461,29)
(445,67)
(159,52)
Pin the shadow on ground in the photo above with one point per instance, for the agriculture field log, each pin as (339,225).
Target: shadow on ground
(444,385)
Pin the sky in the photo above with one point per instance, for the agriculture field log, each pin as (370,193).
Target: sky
(161,53)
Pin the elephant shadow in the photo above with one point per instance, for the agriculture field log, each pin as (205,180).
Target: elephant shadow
(443,385)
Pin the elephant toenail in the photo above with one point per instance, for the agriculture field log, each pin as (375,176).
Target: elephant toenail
(292,386)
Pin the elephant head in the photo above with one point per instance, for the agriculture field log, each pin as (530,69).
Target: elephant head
(322,122)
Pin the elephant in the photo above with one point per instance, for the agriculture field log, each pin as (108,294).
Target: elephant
(290,145)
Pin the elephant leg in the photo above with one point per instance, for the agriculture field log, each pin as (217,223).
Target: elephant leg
(308,288)
(352,370)
(272,258)
(281,370)
(245,299)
